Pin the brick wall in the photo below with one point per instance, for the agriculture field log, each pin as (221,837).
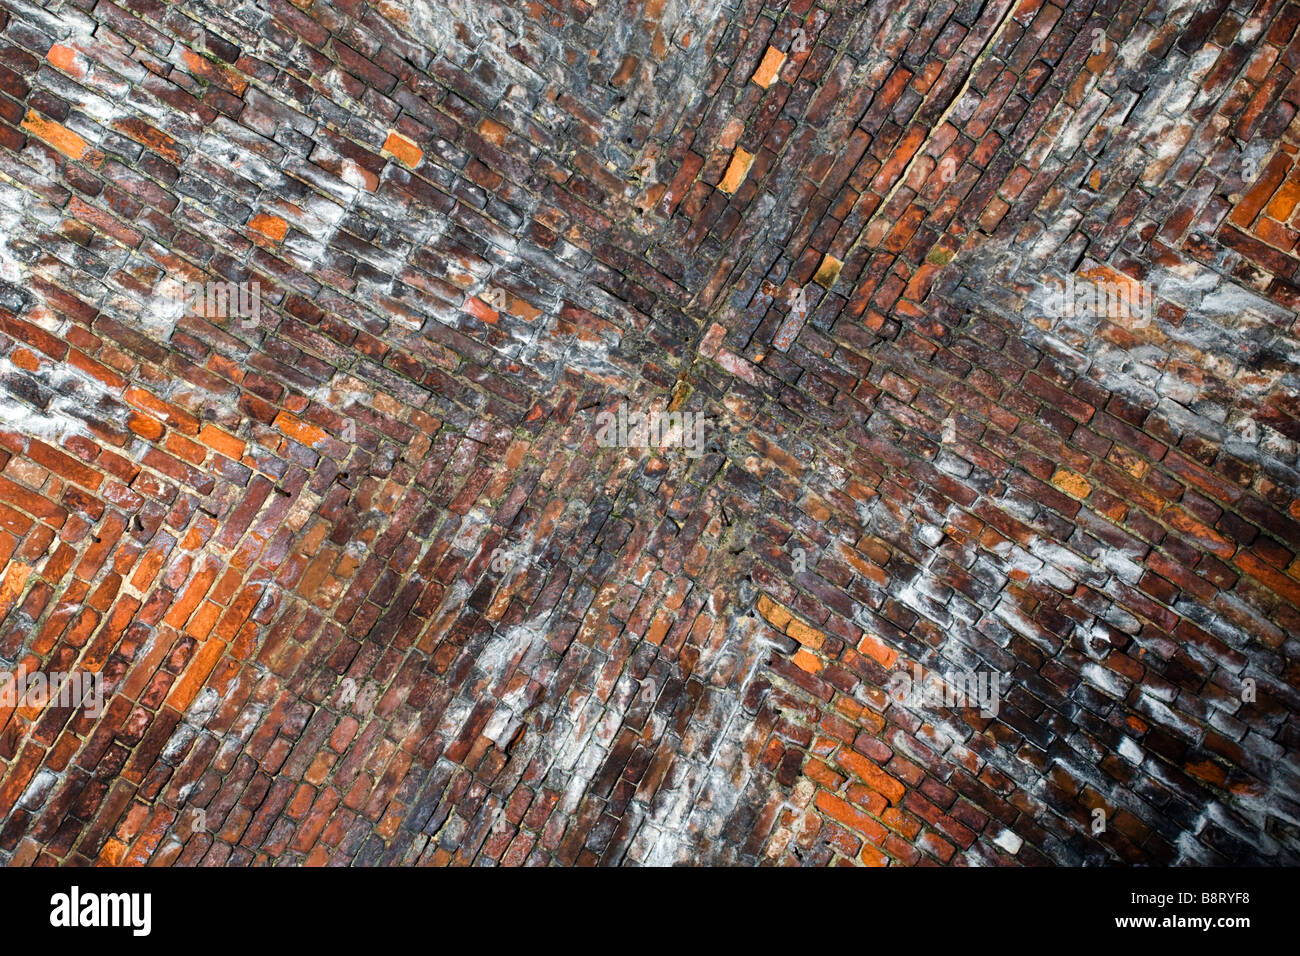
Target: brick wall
(362,583)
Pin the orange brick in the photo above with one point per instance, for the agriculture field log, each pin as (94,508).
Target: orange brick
(805,635)
(872,857)
(877,651)
(11,587)
(1244,213)
(146,426)
(222,442)
(866,798)
(659,627)
(25,359)
(319,856)
(849,816)
(113,853)
(806,661)
(1275,234)
(95,370)
(319,770)
(1278,581)
(1284,201)
(67,59)
(60,137)
(298,430)
(1205,536)
(1072,483)
(170,414)
(492,131)
(239,612)
(273,227)
(625,71)
(149,136)
(182,447)
(904,823)
(736,171)
(818,772)
(149,567)
(402,148)
(480,309)
(872,775)
(197,671)
(198,587)
(868,569)
(201,624)
(828,271)
(770,66)
(64,465)
(302,800)
(775,614)
(523,308)
(207,70)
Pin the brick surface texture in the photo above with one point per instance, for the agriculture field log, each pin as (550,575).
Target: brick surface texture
(365,587)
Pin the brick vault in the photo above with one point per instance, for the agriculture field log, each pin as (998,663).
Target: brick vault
(360,584)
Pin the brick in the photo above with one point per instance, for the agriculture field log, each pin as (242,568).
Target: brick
(60,137)
(273,227)
(872,775)
(403,149)
(737,170)
(222,442)
(769,67)
(854,819)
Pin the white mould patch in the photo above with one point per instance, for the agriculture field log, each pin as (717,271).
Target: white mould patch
(470,531)
(1009,842)
(698,800)
(74,398)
